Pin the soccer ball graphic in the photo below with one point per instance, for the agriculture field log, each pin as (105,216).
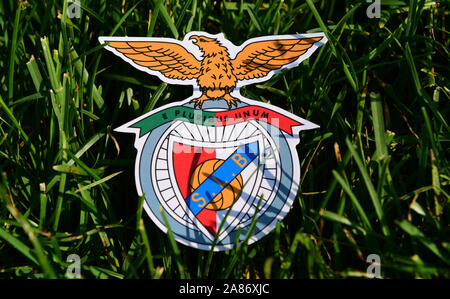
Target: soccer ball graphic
(227,196)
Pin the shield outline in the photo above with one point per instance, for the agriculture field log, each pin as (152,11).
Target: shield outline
(243,206)
(291,140)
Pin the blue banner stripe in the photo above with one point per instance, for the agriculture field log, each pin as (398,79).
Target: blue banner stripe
(222,177)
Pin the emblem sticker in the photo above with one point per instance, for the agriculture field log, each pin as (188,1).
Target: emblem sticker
(216,161)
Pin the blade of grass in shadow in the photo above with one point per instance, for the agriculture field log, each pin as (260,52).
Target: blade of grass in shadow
(415,233)
(71,238)
(382,155)
(91,12)
(12,53)
(86,168)
(27,99)
(43,205)
(166,17)
(64,168)
(254,18)
(17,244)
(124,17)
(36,76)
(354,199)
(192,18)
(83,73)
(155,97)
(342,220)
(175,249)
(153,18)
(430,134)
(184,9)
(339,28)
(24,223)
(378,126)
(334,182)
(237,254)
(422,94)
(96,183)
(287,263)
(10,115)
(141,228)
(93,140)
(332,41)
(370,188)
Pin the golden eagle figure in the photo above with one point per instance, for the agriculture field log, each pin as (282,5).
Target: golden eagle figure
(221,67)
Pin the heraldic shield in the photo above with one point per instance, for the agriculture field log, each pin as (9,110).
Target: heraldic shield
(213,177)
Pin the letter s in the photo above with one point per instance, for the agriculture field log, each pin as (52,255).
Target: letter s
(198,199)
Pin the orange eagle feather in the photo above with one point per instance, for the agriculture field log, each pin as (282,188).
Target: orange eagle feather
(216,73)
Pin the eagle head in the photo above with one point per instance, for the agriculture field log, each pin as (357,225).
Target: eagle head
(201,40)
(206,44)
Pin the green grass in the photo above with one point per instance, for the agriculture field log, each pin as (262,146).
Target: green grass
(375,176)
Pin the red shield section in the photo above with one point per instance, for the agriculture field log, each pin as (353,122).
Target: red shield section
(185,159)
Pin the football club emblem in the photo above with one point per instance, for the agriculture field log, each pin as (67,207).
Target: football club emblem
(216,162)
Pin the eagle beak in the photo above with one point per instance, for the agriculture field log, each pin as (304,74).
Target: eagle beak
(194,39)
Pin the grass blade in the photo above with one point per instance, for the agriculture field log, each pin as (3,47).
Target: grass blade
(99,182)
(174,246)
(370,188)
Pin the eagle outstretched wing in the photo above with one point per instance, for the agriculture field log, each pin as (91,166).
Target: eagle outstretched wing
(257,59)
(170,59)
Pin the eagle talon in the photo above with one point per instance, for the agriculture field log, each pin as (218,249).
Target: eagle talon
(199,101)
(231,100)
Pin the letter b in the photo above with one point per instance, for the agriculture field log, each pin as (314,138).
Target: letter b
(241,161)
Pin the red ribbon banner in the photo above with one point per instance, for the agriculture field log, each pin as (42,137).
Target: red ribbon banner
(259,113)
